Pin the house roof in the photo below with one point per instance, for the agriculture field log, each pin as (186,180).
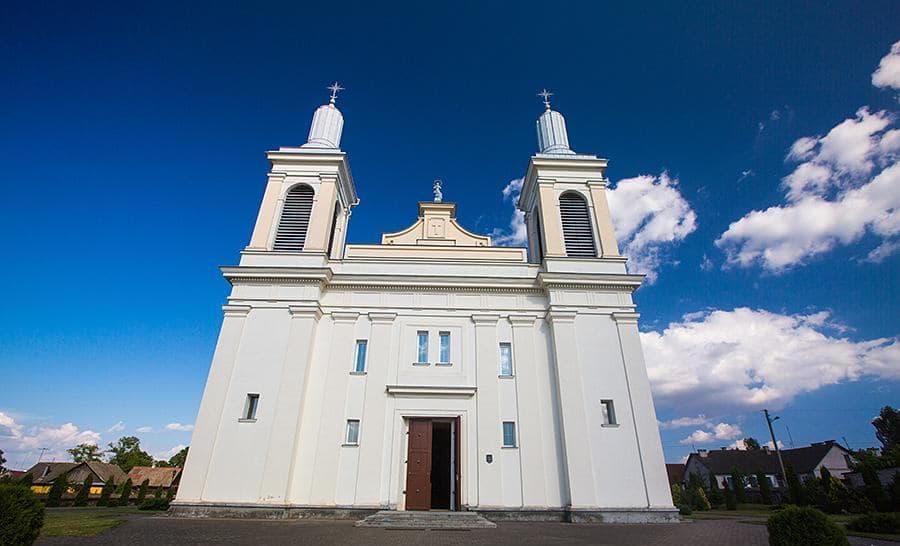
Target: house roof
(804,460)
(675,472)
(105,471)
(159,476)
(47,472)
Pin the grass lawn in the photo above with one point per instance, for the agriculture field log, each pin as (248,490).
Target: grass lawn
(84,522)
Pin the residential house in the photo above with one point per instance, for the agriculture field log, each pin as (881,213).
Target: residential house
(164,477)
(45,473)
(101,473)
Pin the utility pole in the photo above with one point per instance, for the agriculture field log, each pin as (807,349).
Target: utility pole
(769,420)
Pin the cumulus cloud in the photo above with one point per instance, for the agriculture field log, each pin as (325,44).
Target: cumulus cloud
(888,72)
(179,427)
(844,186)
(144,429)
(22,444)
(715,433)
(683,422)
(169,453)
(725,362)
(517,233)
(118,427)
(650,215)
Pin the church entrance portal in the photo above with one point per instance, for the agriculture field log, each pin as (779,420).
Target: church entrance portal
(432,471)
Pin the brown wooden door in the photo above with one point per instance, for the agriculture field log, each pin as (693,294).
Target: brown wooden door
(418,465)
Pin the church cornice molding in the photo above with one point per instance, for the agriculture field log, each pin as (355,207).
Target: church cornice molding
(588,281)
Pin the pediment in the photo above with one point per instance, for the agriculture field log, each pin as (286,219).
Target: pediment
(436,226)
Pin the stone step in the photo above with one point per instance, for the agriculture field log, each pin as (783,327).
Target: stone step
(388,519)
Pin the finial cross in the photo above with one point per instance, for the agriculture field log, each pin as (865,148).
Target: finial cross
(546,94)
(335,87)
(438,196)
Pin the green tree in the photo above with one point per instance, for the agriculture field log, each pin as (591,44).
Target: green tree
(81,499)
(170,494)
(2,462)
(765,489)
(27,479)
(85,453)
(126,492)
(887,427)
(715,493)
(60,484)
(873,489)
(106,492)
(795,488)
(158,493)
(730,501)
(179,458)
(127,454)
(750,444)
(142,492)
(737,481)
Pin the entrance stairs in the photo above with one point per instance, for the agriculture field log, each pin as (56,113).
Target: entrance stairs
(434,519)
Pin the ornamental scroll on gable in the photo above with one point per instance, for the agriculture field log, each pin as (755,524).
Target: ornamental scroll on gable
(436,226)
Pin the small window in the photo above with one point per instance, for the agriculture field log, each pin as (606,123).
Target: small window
(609,412)
(360,365)
(250,407)
(445,348)
(353,432)
(506,367)
(422,356)
(509,434)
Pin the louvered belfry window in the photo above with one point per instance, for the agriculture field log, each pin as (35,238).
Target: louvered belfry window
(294,219)
(576,224)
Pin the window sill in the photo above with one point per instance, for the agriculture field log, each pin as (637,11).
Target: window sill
(349,445)
(357,373)
(610,425)
(501,376)
(443,363)
(243,420)
(509,447)
(421,364)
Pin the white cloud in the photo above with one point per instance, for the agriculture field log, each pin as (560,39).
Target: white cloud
(683,422)
(845,185)
(888,72)
(517,233)
(740,445)
(118,427)
(22,444)
(179,427)
(650,215)
(169,453)
(144,429)
(733,361)
(716,433)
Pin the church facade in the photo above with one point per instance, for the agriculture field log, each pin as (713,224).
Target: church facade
(433,370)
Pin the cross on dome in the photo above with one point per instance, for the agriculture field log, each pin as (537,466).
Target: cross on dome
(546,95)
(335,88)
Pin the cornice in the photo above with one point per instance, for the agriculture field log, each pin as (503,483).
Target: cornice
(430,390)
(485,319)
(382,317)
(236,310)
(626,317)
(589,281)
(557,315)
(283,275)
(522,320)
(306,311)
(344,316)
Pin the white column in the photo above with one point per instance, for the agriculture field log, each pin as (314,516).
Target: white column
(574,427)
(487,410)
(267,211)
(288,404)
(531,411)
(646,429)
(371,489)
(206,427)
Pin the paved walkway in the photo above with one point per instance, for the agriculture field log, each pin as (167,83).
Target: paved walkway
(164,531)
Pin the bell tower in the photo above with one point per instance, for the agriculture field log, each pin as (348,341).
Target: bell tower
(306,205)
(564,198)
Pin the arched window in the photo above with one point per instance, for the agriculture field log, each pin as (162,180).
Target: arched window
(294,220)
(576,224)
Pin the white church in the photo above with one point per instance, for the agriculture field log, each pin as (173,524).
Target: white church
(432,371)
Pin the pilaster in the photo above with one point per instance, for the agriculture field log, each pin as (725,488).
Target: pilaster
(551,225)
(322,214)
(487,410)
(267,212)
(608,246)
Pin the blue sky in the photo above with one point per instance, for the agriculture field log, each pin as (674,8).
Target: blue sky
(132,142)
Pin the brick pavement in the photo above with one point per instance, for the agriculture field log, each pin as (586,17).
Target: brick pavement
(164,531)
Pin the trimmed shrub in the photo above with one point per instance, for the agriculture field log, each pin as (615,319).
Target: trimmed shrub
(170,494)
(876,523)
(158,494)
(54,496)
(21,515)
(804,526)
(715,493)
(737,481)
(730,500)
(685,510)
(142,492)
(106,492)
(154,503)
(126,493)
(765,489)
(81,499)
(797,496)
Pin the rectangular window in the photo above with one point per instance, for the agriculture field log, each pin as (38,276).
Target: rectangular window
(506,367)
(360,366)
(422,357)
(609,412)
(250,407)
(509,434)
(353,432)
(445,348)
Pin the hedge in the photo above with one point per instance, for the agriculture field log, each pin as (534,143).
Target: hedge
(804,526)
(876,523)
(21,515)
